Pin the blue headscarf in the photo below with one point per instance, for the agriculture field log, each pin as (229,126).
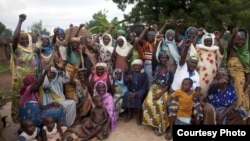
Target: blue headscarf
(120,82)
(60,31)
(47,49)
(191,29)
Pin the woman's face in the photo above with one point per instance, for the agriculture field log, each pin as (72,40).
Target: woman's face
(120,42)
(45,42)
(192,34)
(131,37)
(101,88)
(163,59)
(222,74)
(137,68)
(208,42)
(240,40)
(24,40)
(151,36)
(74,45)
(106,40)
(61,36)
(170,36)
(100,70)
(51,75)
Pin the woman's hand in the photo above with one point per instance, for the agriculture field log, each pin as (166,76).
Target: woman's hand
(59,63)
(22,17)
(217,35)
(132,96)
(146,26)
(179,22)
(188,43)
(168,22)
(200,32)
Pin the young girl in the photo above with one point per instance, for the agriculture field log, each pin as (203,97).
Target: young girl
(51,130)
(100,73)
(29,131)
(120,88)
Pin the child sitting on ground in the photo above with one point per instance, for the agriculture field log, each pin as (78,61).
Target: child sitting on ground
(51,130)
(97,125)
(29,131)
(181,106)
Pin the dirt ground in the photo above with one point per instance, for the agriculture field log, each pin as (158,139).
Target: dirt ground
(124,131)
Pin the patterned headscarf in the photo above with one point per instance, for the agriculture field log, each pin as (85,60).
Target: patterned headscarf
(193,57)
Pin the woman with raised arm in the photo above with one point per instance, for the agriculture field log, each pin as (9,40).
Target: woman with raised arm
(237,56)
(23,62)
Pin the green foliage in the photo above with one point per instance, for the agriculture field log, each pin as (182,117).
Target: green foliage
(198,13)
(37,27)
(7,33)
(2,28)
(4,68)
(100,24)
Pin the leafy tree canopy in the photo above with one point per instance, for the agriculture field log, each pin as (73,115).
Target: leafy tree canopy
(37,27)
(198,13)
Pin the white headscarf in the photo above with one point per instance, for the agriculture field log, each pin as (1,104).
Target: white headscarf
(125,49)
(109,46)
(137,62)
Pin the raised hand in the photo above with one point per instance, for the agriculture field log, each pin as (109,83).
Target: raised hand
(146,26)
(217,35)
(168,21)
(200,31)
(22,17)
(188,43)
(179,22)
(235,30)
(224,26)
(81,25)
(59,63)
(159,38)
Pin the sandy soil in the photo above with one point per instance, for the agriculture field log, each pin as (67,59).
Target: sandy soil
(124,131)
